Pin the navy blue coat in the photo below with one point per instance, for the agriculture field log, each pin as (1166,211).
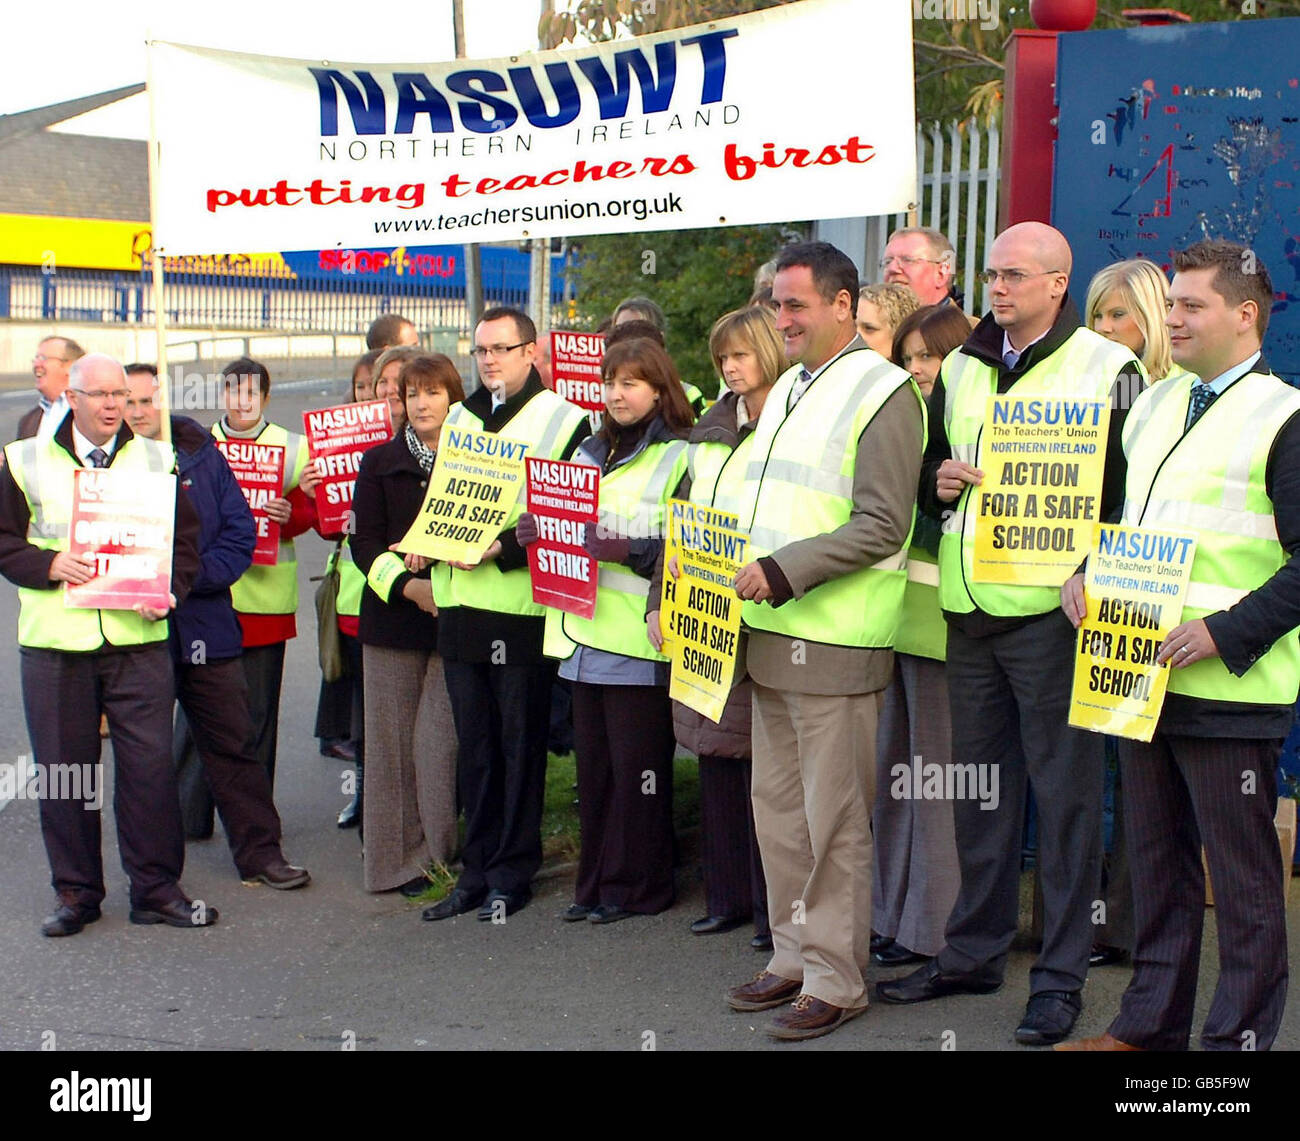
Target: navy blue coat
(204,626)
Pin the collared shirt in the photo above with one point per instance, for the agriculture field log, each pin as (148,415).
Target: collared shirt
(806,378)
(1220,383)
(83,447)
(1011,355)
(52,414)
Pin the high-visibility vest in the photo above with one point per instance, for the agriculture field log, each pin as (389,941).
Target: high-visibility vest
(1083,368)
(351,581)
(799,484)
(922,630)
(388,565)
(43,471)
(546,424)
(695,398)
(1210,480)
(272,589)
(633,500)
(717,472)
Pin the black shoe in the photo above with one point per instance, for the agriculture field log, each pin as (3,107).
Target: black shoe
(575,912)
(717,924)
(761,942)
(503,903)
(177,913)
(282,875)
(68,919)
(608,913)
(896,955)
(928,982)
(1103,956)
(1049,1017)
(414,888)
(879,942)
(457,903)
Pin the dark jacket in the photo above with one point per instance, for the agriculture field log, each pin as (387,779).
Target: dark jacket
(985,344)
(204,626)
(465,633)
(389,492)
(26,565)
(30,424)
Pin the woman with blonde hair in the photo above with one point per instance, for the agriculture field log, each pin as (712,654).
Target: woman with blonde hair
(1127,304)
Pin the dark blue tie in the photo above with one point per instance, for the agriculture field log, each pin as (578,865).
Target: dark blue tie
(1202,397)
(98,457)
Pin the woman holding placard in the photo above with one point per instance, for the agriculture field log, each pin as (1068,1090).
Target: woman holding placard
(622,719)
(410,802)
(747,351)
(915,876)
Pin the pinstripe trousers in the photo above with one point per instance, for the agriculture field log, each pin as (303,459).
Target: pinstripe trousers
(1179,793)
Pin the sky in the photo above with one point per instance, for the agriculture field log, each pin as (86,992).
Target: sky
(64,49)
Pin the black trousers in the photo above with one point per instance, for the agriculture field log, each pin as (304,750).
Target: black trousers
(1009,695)
(1181,793)
(502,715)
(624,740)
(733,869)
(264,672)
(63,697)
(340,712)
(214,700)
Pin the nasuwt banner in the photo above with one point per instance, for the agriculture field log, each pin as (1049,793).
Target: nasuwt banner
(474,485)
(1134,591)
(575,368)
(680,129)
(123,520)
(704,622)
(337,439)
(1043,460)
(564,497)
(259,471)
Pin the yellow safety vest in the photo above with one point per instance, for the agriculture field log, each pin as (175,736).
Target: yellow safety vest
(1210,480)
(43,471)
(273,589)
(546,424)
(922,630)
(799,484)
(632,502)
(717,472)
(1083,368)
(351,581)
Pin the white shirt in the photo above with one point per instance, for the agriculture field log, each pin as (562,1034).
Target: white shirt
(52,414)
(83,447)
(1016,354)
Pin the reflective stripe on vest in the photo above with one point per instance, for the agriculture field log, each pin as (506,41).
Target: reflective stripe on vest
(272,589)
(545,423)
(799,484)
(1085,367)
(43,471)
(632,499)
(1212,479)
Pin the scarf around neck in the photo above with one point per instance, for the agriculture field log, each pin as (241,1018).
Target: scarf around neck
(422,454)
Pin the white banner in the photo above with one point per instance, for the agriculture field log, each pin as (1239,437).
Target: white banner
(799,112)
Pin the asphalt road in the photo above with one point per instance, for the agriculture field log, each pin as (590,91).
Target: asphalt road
(317,968)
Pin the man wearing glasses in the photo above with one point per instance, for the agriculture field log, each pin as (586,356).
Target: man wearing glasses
(490,638)
(54,356)
(1010,648)
(78,663)
(922,259)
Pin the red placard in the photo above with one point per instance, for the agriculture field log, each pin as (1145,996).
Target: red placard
(564,498)
(123,520)
(575,366)
(259,469)
(337,438)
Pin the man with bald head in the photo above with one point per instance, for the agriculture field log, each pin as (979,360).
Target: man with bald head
(79,663)
(54,357)
(1010,648)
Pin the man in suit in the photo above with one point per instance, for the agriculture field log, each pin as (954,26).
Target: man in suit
(1218,457)
(54,357)
(79,662)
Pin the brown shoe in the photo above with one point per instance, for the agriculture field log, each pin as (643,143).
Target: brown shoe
(1105,1042)
(809,1017)
(764,991)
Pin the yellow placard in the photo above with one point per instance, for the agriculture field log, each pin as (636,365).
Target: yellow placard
(476,481)
(668,589)
(1043,461)
(1134,590)
(704,619)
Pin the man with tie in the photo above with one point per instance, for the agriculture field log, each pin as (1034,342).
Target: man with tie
(827,499)
(1010,650)
(76,663)
(54,356)
(1219,457)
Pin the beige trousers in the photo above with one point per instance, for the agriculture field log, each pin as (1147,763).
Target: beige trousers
(814,783)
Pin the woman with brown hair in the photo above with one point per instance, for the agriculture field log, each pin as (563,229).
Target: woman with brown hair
(410,802)
(622,718)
